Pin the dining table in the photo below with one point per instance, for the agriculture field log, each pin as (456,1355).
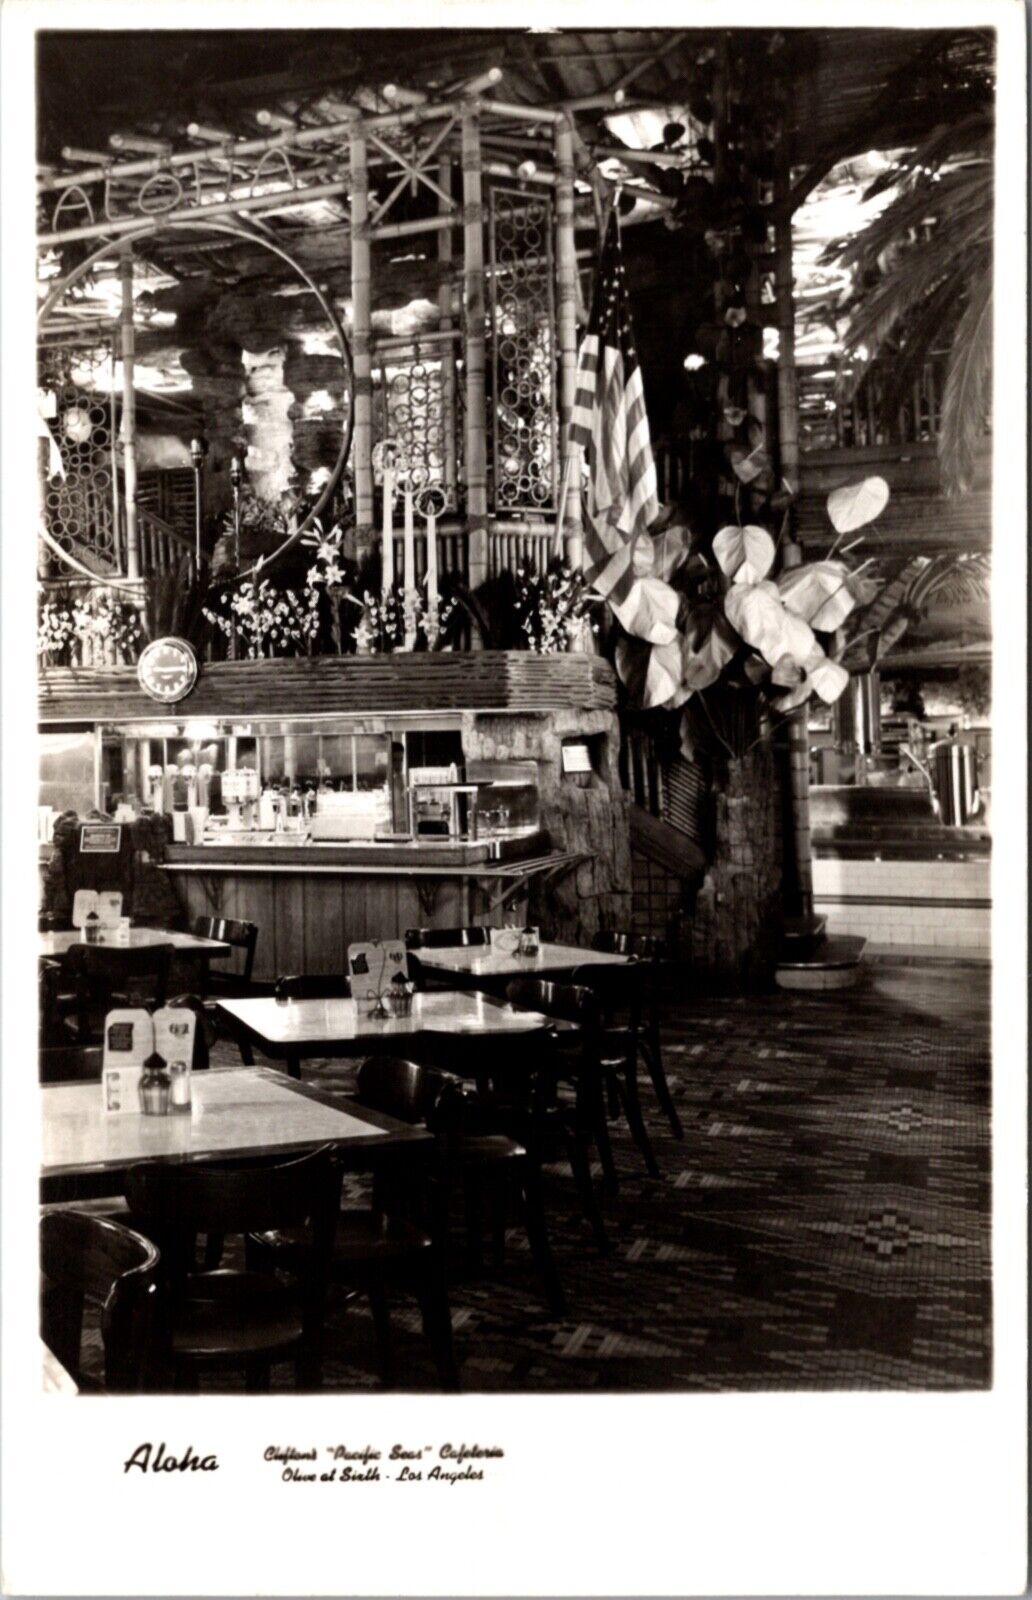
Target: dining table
(291,1030)
(494,964)
(235,1112)
(57,942)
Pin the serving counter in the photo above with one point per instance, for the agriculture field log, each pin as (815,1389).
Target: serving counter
(311,901)
(486,786)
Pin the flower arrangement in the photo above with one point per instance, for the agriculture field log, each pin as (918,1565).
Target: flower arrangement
(266,621)
(389,618)
(552,607)
(92,625)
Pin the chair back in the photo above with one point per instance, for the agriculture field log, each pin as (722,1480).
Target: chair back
(563,1002)
(615,942)
(87,1258)
(97,969)
(241,935)
(104,965)
(612,942)
(619,988)
(446,938)
(314,986)
(408,1090)
(177,1200)
(70,1064)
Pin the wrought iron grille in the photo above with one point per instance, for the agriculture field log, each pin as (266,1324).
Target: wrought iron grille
(417,413)
(523,352)
(79,495)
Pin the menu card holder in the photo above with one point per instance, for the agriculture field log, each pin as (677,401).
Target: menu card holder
(128,1041)
(372,966)
(105,905)
(175,1028)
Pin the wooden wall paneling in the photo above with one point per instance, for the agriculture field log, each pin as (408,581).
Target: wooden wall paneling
(323,914)
(289,920)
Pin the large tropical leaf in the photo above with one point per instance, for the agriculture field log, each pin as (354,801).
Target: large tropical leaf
(650,611)
(820,592)
(756,612)
(744,554)
(965,400)
(856,504)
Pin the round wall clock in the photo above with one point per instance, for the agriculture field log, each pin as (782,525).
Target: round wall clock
(167,670)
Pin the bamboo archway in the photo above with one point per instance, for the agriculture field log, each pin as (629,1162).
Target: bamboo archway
(250,236)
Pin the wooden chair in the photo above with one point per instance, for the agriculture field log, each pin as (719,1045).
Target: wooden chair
(375,1251)
(620,991)
(471,1154)
(101,976)
(70,1063)
(585,1122)
(652,953)
(87,1258)
(222,985)
(242,936)
(239,1317)
(446,938)
(53,1004)
(314,986)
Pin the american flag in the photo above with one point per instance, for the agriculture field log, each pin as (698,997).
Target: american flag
(609,421)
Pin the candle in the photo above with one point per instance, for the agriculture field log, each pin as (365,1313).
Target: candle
(410,542)
(387,558)
(431,558)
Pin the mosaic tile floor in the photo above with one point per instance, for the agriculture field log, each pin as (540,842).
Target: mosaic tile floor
(824,1224)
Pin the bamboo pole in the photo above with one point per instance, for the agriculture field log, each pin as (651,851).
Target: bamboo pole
(128,343)
(445,328)
(361,314)
(328,133)
(568,522)
(784,294)
(476,406)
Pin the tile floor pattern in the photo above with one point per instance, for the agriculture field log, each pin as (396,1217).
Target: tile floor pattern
(824,1224)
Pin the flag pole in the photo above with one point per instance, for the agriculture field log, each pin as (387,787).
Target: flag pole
(564,490)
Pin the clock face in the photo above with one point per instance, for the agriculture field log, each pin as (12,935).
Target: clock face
(167,670)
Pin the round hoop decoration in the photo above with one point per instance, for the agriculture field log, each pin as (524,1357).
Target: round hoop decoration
(384,454)
(430,501)
(235,231)
(167,670)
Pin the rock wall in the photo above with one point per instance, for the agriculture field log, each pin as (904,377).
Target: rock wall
(581,811)
(732,935)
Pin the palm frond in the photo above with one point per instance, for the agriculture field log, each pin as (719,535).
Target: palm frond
(965,398)
(963,195)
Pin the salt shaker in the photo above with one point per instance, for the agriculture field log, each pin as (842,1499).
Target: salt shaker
(179,1087)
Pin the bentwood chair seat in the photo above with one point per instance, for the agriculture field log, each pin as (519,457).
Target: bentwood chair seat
(652,953)
(87,1259)
(247,1316)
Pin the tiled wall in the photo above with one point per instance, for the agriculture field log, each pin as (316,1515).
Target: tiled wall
(945,903)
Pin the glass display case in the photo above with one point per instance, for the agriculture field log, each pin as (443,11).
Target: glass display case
(332,779)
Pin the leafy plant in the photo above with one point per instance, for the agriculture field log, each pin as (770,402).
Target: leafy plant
(924,272)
